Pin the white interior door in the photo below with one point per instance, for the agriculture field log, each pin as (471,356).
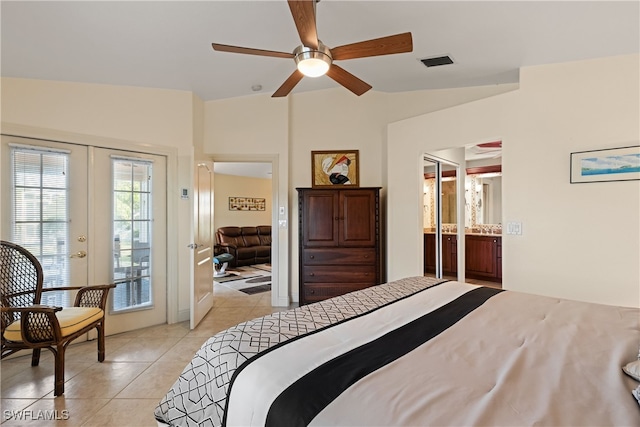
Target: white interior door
(202,287)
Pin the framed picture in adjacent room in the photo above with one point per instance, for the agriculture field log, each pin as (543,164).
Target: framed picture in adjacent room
(246,204)
(612,164)
(335,168)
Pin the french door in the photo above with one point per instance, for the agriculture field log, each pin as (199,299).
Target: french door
(91,215)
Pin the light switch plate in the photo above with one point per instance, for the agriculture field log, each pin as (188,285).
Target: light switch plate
(514,227)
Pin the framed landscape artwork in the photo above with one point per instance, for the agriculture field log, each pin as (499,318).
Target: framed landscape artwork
(613,164)
(335,168)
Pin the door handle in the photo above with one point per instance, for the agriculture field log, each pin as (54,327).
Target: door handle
(79,254)
(193,246)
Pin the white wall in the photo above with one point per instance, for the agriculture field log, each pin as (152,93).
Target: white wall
(254,128)
(249,127)
(138,118)
(579,241)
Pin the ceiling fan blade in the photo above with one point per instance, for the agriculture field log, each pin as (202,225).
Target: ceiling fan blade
(304,15)
(288,84)
(250,51)
(348,80)
(398,43)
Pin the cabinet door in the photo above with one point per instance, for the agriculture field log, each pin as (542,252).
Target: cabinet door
(429,253)
(357,218)
(499,258)
(449,254)
(320,218)
(481,254)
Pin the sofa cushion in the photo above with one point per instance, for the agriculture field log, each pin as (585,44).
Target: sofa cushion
(248,245)
(246,252)
(263,251)
(250,236)
(230,236)
(264,232)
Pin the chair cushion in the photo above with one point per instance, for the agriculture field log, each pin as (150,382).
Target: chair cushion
(71,320)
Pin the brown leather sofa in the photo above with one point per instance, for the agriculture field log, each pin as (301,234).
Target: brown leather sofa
(248,245)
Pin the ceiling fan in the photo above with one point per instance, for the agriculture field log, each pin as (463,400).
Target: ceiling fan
(314,59)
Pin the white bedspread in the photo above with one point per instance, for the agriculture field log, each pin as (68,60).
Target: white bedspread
(509,359)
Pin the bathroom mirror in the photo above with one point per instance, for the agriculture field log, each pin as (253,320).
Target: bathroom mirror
(483,196)
(449,200)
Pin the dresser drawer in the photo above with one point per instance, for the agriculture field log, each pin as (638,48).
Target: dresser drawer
(320,291)
(339,273)
(339,256)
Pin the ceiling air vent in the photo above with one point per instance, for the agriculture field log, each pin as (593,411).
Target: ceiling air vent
(437,61)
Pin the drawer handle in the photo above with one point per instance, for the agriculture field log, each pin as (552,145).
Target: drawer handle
(312,292)
(366,256)
(494,240)
(311,274)
(313,256)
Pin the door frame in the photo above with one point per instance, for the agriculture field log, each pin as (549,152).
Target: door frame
(279,231)
(171,154)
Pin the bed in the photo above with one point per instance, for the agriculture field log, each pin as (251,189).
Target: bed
(414,352)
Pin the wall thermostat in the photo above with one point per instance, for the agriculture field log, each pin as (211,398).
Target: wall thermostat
(184,193)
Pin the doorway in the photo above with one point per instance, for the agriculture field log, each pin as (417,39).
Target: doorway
(252,182)
(474,237)
(441,217)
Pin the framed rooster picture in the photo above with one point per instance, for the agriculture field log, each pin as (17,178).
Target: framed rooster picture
(335,168)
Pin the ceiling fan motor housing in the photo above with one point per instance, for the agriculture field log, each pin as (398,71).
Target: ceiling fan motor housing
(313,62)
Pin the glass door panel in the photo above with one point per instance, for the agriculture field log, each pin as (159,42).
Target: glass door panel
(132,231)
(134,249)
(44,209)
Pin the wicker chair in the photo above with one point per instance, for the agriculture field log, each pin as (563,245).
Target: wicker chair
(27,325)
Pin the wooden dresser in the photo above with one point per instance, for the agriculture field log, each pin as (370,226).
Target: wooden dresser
(339,243)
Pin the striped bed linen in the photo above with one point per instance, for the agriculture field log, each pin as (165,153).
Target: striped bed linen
(417,351)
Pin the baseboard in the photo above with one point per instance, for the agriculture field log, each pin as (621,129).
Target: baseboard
(183,315)
(282,302)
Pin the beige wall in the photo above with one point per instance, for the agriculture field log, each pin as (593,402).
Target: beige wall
(124,117)
(579,241)
(141,115)
(558,109)
(250,129)
(289,129)
(240,186)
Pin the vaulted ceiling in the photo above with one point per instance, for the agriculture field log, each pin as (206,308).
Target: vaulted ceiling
(167,44)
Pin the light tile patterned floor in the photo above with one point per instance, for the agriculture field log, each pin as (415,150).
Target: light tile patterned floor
(124,390)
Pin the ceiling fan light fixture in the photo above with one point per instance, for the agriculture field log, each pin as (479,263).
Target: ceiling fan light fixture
(312,62)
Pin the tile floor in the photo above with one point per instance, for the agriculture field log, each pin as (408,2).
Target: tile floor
(139,369)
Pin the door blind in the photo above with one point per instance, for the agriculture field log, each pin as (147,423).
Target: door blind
(40,221)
